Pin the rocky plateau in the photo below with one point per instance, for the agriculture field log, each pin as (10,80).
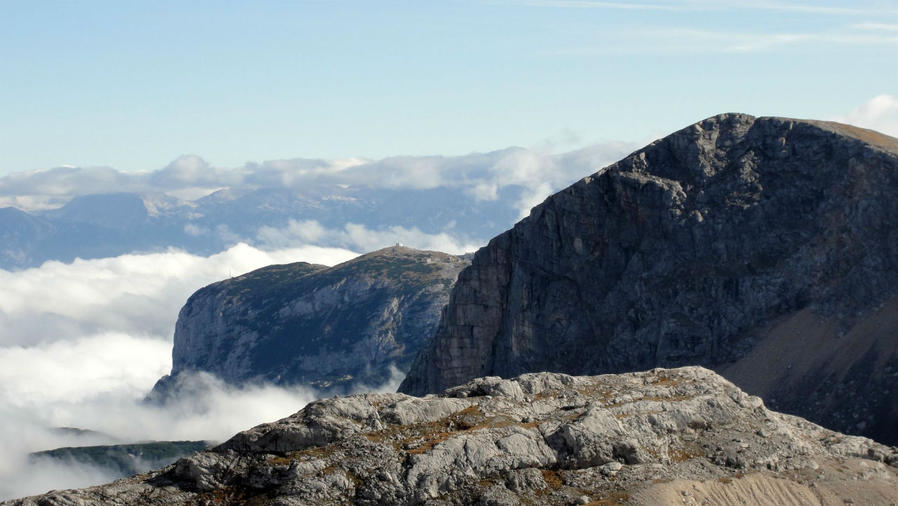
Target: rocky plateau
(336,329)
(665,436)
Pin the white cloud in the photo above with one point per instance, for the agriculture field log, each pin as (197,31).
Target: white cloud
(876,27)
(532,198)
(214,413)
(879,113)
(691,40)
(195,230)
(360,238)
(733,41)
(26,477)
(70,370)
(296,172)
(82,343)
(715,5)
(133,294)
(31,202)
(54,187)
(482,175)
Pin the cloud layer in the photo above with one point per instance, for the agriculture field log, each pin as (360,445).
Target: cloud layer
(482,175)
(82,343)
(360,238)
(132,294)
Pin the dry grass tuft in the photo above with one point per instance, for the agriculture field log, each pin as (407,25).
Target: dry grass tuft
(552,478)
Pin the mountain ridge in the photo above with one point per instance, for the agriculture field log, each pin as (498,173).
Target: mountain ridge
(681,254)
(334,328)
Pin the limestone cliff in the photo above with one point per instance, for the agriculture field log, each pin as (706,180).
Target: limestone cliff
(338,327)
(683,436)
(766,248)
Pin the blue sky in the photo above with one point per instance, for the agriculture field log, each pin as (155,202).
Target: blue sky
(133,85)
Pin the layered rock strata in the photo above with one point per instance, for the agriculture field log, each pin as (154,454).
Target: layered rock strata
(766,248)
(338,328)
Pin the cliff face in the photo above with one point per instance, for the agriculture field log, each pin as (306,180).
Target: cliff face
(764,247)
(658,437)
(335,327)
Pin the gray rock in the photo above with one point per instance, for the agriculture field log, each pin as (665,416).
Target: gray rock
(338,329)
(766,248)
(611,468)
(579,441)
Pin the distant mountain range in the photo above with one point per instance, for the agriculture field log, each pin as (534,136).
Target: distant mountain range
(67,213)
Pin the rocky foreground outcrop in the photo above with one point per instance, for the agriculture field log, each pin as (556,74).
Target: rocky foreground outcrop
(766,248)
(336,328)
(659,437)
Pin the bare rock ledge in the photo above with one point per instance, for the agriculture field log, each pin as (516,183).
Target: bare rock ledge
(665,436)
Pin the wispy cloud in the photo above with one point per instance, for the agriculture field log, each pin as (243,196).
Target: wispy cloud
(700,41)
(729,42)
(884,27)
(214,412)
(358,237)
(82,343)
(131,294)
(879,113)
(714,5)
(587,4)
(188,177)
(860,9)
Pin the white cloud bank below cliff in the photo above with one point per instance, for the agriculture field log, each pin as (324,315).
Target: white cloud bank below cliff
(119,416)
(361,238)
(133,294)
(82,343)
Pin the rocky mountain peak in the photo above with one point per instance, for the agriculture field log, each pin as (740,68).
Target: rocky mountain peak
(337,328)
(739,243)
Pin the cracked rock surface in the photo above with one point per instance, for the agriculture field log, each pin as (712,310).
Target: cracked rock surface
(685,436)
(765,248)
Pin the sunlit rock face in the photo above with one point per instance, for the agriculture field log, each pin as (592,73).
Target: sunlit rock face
(666,436)
(766,248)
(339,328)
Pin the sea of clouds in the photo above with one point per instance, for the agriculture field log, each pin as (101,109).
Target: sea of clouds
(82,343)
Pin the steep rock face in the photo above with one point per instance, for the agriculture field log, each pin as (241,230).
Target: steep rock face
(658,437)
(342,326)
(731,236)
